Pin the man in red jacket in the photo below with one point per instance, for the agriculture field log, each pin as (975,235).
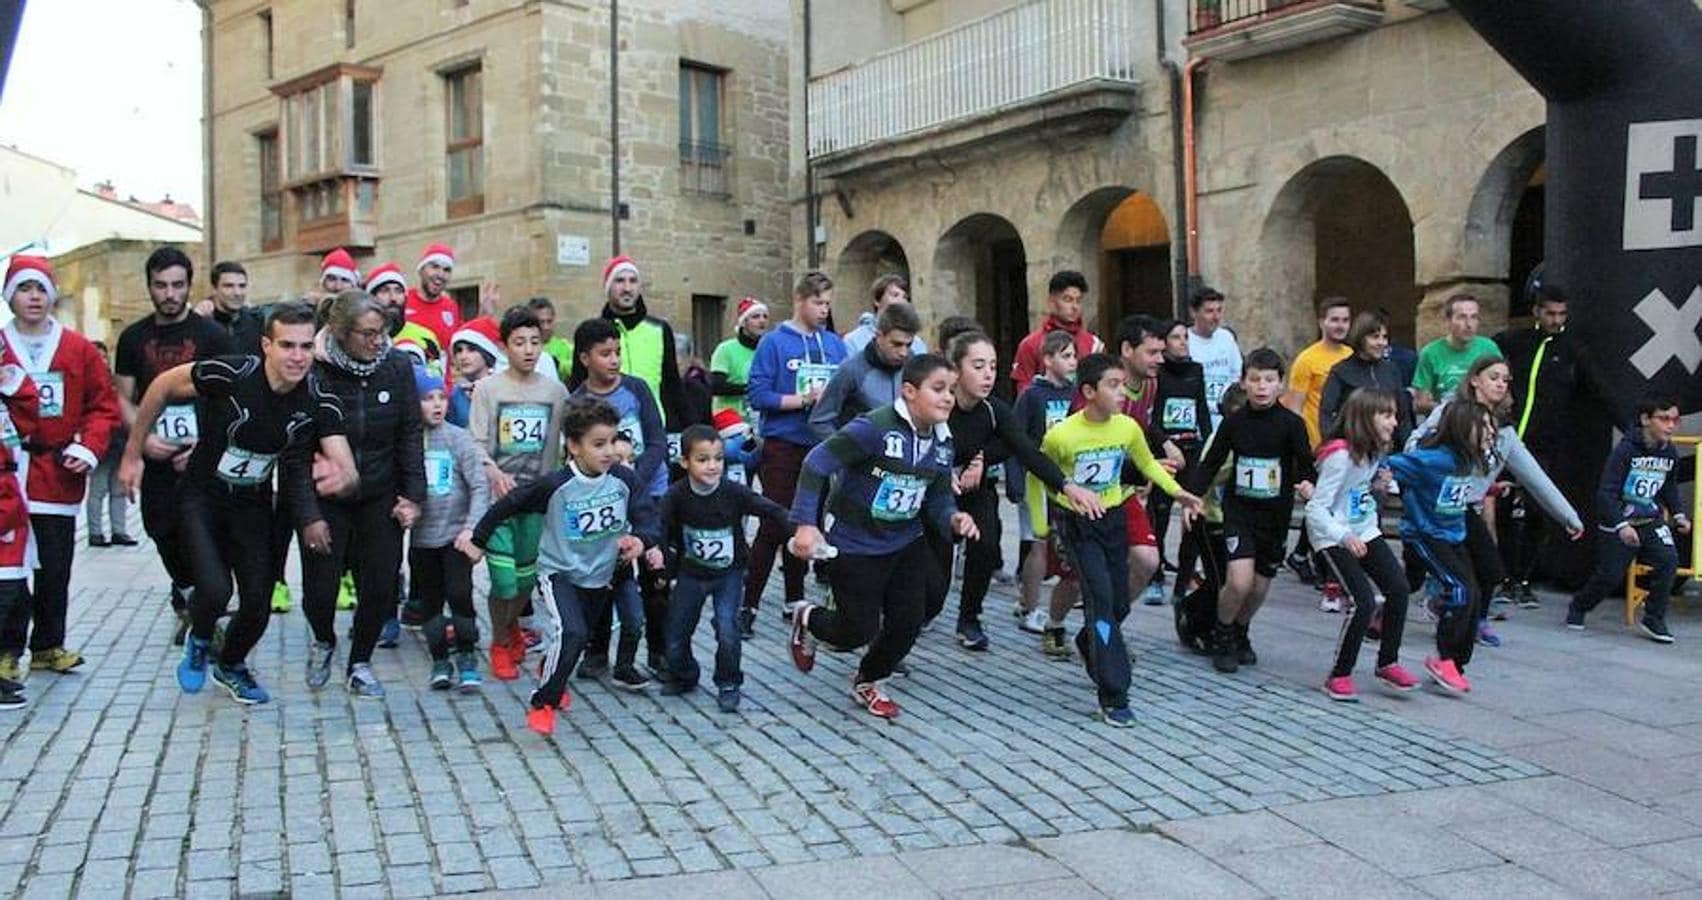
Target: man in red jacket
(1063,313)
(77,418)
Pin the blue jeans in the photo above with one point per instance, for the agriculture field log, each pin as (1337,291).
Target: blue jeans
(684,610)
(1099,552)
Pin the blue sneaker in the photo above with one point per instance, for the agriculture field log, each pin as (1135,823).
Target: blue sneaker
(1154,593)
(1487,636)
(192,671)
(241,684)
(467,672)
(1120,717)
(391,633)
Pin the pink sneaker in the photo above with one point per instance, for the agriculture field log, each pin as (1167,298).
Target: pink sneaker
(1447,675)
(1397,678)
(1340,687)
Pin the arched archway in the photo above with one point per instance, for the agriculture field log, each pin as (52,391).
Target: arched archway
(981,270)
(1339,227)
(866,257)
(1503,236)
(1119,238)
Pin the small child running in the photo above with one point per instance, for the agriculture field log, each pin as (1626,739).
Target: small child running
(440,548)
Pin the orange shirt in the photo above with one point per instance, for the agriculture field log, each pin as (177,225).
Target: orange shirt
(1311,369)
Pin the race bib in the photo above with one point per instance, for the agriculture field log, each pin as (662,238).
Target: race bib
(814,375)
(1214,392)
(1455,496)
(735,473)
(50,389)
(594,518)
(1642,485)
(1099,469)
(244,468)
(1258,478)
(633,432)
(709,547)
(520,427)
(177,425)
(440,472)
(1361,507)
(1056,411)
(899,498)
(1664,534)
(1180,414)
(673,448)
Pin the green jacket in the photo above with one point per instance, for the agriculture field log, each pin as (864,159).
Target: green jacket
(647,353)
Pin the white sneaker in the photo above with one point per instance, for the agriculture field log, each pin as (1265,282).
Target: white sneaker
(1329,604)
(1035,621)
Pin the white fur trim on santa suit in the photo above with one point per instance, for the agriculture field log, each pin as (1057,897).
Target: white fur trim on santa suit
(625,265)
(22,276)
(349,275)
(388,277)
(442,259)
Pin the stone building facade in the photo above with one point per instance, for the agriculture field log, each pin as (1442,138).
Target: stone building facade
(1375,149)
(485,125)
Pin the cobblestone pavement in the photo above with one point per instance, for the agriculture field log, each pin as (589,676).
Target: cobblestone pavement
(114,780)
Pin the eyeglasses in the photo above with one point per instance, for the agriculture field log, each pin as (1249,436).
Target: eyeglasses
(1664,417)
(370,335)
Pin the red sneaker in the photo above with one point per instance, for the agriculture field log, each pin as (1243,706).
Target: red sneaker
(566,700)
(1447,675)
(541,719)
(503,667)
(870,696)
(517,645)
(1397,678)
(803,643)
(1340,687)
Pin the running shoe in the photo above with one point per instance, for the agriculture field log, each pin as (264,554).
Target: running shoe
(1118,717)
(192,671)
(1301,565)
(56,659)
(1034,622)
(9,668)
(99,540)
(442,675)
(803,643)
(281,602)
(123,540)
(391,634)
(727,700)
(363,683)
(1153,595)
(1447,675)
(590,667)
(747,623)
(1487,636)
(789,610)
(319,664)
(541,719)
(900,669)
(1225,654)
(239,681)
(1505,594)
(1340,687)
(467,672)
(12,695)
(504,667)
(672,687)
(627,677)
(346,592)
(869,696)
(1527,597)
(970,636)
(1655,630)
(1244,648)
(1395,677)
(1574,617)
(1334,599)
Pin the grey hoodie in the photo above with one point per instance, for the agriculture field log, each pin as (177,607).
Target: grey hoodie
(457,492)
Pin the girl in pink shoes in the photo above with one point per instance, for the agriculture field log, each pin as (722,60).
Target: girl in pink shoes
(1341,519)
(1437,479)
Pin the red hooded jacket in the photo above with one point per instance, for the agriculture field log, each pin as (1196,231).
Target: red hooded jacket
(76,419)
(1028,362)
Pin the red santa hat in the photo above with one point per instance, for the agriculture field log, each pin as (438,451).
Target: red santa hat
(416,351)
(339,263)
(438,254)
(389,273)
(616,266)
(483,334)
(730,424)
(29,268)
(749,306)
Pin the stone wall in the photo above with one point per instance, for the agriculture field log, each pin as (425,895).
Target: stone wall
(102,287)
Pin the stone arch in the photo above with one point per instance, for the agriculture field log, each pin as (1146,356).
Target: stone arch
(1339,226)
(1506,207)
(1119,238)
(980,269)
(867,256)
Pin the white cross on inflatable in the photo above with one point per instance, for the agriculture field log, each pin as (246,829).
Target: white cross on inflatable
(1675,332)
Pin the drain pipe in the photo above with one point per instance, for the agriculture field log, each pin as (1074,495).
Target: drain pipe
(1190,166)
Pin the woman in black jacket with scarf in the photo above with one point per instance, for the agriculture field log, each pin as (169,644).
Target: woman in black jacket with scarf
(1367,367)
(355,361)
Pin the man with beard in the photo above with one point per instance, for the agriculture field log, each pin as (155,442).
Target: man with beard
(170,337)
(387,285)
(647,341)
(430,306)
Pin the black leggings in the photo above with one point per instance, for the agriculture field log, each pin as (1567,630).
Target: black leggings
(980,557)
(1462,598)
(48,602)
(877,601)
(1363,578)
(444,575)
(224,533)
(363,530)
(162,520)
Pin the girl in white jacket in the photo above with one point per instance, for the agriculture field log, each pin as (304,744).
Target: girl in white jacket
(1341,519)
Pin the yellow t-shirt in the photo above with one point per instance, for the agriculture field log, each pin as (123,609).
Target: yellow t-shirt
(1092,455)
(1311,369)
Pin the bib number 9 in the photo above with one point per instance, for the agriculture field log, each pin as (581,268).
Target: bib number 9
(50,391)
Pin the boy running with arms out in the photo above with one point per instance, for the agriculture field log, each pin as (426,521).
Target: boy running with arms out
(598,515)
(894,470)
(516,419)
(1273,463)
(1091,446)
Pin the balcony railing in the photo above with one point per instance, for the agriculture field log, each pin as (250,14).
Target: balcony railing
(980,67)
(1238,29)
(704,168)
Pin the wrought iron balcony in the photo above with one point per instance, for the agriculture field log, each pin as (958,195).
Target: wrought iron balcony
(1239,29)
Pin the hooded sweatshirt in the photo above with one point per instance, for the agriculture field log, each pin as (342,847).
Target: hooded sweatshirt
(1028,361)
(788,361)
(864,383)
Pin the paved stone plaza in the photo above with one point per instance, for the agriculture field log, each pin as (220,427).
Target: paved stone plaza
(1572,768)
